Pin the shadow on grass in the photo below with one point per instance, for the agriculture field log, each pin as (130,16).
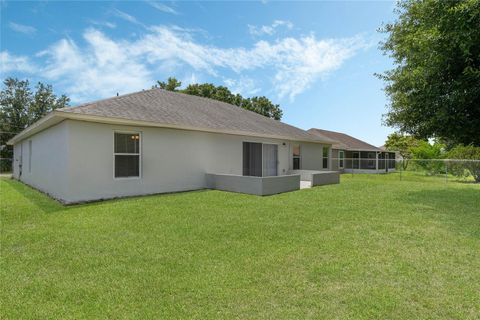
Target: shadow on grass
(48,204)
(36,197)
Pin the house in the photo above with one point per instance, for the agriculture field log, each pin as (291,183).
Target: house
(157,141)
(350,154)
(398,156)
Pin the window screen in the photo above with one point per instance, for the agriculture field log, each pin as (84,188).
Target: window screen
(371,163)
(252,159)
(127,155)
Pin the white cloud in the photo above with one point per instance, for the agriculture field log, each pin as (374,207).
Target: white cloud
(244,86)
(107,24)
(162,7)
(190,79)
(295,63)
(125,16)
(286,67)
(101,69)
(29,30)
(11,63)
(269,30)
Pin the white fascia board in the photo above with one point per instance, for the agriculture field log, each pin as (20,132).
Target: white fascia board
(58,116)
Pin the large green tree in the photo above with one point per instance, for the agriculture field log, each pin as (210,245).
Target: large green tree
(44,101)
(402,144)
(20,107)
(261,105)
(434,89)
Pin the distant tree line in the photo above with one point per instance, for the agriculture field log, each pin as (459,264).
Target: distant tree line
(20,106)
(422,152)
(261,105)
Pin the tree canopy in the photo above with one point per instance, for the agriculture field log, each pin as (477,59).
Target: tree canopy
(402,144)
(434,89)
(20,107)
(261,105)
(471,166)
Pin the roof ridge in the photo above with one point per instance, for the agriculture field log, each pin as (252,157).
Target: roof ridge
(86,104)
(326,132)
(226,104)
(190,112)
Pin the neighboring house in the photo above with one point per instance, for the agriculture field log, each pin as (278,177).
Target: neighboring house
(351,154)
(157,141)
(398,156)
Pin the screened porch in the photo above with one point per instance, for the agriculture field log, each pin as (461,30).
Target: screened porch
(369,160)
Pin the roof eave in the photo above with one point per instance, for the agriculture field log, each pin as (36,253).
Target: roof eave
(360,149)
(47,121)
(58,116)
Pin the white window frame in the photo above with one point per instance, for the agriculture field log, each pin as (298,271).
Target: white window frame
(341,159)
(128,154)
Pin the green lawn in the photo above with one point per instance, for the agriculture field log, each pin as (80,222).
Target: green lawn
(371,247)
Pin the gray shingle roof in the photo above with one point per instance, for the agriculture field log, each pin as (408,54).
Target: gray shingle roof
(172,108)
(344,141)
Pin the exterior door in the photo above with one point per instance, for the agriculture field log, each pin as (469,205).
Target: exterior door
(270,160)
(356,160)
(387,163)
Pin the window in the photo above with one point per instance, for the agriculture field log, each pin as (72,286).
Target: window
(252,159)
(29,155)
(341,159)
(326,151)
(296,157)
(127,155)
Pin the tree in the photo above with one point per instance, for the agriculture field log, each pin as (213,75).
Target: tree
(264,106)
(19,108)
(402,144)
(261,105)
(460,168)
(14,101)
(171,85)
(434,89)
(427,156)
(44,101)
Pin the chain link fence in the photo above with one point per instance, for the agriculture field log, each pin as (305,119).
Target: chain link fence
(402,169)
(412,169)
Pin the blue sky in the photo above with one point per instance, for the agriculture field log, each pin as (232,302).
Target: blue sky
(315,59)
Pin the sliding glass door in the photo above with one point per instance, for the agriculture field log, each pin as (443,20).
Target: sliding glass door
(252,159)
(270,154)
(260,160)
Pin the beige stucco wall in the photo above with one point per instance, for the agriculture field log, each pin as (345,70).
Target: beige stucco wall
(75,161)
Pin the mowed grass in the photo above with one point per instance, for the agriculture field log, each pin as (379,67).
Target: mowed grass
(372,247)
